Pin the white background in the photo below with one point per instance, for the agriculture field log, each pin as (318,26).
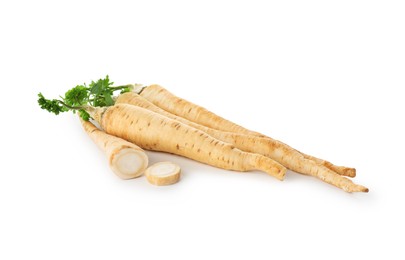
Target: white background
(322,76)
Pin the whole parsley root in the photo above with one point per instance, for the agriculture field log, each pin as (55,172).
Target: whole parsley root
(242,138)
(266,146)
(169,102)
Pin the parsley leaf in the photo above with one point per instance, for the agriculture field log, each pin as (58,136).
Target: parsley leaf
(53,106)
(97,94)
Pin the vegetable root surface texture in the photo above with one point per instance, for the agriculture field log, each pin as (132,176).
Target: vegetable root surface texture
(173,104)
(181,107)
(155,132)
(191,114)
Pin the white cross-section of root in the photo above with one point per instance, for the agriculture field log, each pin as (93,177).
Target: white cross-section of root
(163,173)
(125,159)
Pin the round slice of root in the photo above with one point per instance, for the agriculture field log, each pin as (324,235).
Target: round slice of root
(129,163)
(163,173)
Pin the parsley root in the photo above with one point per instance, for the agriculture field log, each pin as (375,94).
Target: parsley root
(181,107)
(160,121)
(274,149)
(153,131)
(125,159)
(164,99)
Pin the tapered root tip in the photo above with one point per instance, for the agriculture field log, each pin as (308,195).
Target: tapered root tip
(350,172)
(361,189)
(356,188)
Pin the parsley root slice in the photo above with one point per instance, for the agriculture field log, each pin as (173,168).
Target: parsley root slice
(164,99)
(152,131)
(274,149)
(126,159)
(163,173)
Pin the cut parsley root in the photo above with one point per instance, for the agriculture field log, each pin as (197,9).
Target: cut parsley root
(163,173)
(156,132)
(266,146)
(126,159)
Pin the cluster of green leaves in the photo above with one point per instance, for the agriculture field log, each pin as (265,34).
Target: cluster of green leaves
(53,106)
(97,94)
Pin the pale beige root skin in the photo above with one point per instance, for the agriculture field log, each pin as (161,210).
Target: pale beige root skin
(335,179)
(155,132)
(197,114)
(290,158)
(126,160)
(163,173)
(342,170)
(267,146)
(181,107)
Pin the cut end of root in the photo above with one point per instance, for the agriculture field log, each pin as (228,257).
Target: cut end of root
(129,163)
(96,113)
(137,88)
(280,173)
(163,173)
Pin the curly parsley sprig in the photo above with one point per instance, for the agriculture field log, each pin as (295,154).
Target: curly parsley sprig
(97,94)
